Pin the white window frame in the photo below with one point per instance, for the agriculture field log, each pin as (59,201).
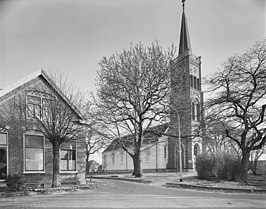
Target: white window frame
(7,158)
(24,151)
(122,156)
(148,154)
(69,171)
(42,96)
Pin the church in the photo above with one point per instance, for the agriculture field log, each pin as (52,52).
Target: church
(162,153)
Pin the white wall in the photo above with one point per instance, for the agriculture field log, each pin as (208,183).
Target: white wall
(152,157)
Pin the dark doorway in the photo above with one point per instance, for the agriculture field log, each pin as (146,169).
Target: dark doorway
(3,163)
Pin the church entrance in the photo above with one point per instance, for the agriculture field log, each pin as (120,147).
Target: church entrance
(3,156)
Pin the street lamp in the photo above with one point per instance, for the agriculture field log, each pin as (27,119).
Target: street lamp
(179,145)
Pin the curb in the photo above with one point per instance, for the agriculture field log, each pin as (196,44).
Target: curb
(122,179)
(189,186)
(45,191)
(183,185)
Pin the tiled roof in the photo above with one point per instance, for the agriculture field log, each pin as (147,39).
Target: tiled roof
(151,135)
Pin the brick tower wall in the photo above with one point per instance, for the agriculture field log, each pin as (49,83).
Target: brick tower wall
(181,98)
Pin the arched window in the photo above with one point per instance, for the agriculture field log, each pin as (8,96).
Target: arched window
(191,81)
(113,157)
(196,149)
(165,151)
(104,160)
(148,154)
(122,156)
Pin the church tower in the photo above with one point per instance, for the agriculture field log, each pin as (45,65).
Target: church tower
(186,102)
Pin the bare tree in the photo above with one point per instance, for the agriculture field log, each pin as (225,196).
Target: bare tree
(133,93)
(55,115)
(97,137)
(254,157)
(213,132)
(95,142)
(240,100)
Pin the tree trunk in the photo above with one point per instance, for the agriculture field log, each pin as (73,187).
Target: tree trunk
(56,175)
(138,172)
(87,162)
(137,165)
(134,166)
(244,166)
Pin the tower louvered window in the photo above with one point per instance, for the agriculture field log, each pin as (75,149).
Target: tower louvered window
(195,82)
(198,112)
(193,111)
(198,83)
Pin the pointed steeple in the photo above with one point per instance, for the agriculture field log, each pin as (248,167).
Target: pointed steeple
(184,43)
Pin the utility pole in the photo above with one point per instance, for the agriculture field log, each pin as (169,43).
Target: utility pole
(180,149)
(179,145)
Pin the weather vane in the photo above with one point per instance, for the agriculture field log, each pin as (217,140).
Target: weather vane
(183,3)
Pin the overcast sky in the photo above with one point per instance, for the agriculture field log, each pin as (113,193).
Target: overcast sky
(72,36)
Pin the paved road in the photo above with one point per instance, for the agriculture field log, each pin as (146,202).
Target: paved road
(120,194)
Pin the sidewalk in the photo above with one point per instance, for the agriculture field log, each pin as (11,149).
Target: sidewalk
(189,181)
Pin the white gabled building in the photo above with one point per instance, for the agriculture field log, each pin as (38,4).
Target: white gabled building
(154,155)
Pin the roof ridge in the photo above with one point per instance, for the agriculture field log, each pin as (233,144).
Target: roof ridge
(115,144)
(20,82)
(36,74)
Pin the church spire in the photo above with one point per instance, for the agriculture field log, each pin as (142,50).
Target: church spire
(184,43)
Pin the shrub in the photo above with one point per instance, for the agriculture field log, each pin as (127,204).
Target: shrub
(221,168)
(234,165)
(222,165)
(227,166)
(14,182)
(205,165)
